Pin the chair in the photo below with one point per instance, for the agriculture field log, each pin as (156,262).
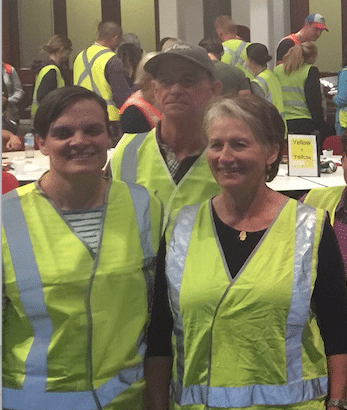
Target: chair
(9,182)
(333,142)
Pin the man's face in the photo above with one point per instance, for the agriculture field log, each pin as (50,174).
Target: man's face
(312,33)
(183,89)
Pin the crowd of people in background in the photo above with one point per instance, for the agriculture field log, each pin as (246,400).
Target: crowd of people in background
(173,276)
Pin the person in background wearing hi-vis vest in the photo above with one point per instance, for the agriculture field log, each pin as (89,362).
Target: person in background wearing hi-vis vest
(78,257)
(233,79)
(265,82)
(99,69)
(249,275)
(49,74)
(139,113)
(340,99)
(234,46)
(334,200)
(171,159)
(301,91)
(312,29)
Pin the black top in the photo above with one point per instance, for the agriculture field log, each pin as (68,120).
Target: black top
(313,97)
(133,121)
(329,296)
(49,82)
(283,48)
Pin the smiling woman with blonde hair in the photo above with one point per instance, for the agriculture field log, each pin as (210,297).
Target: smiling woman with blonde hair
(243,272)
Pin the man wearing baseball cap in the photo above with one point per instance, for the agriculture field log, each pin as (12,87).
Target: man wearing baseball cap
(170,159)
(311,31)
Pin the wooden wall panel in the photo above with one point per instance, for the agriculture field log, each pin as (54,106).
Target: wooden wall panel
(157,25)
(211,10)
(344,24)
(60,17)
(10,33)
(111,11)
(299,10)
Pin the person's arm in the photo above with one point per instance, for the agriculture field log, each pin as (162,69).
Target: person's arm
(48,83)
(17,90)
(158,376)
(257,90)
(313,97)
(341,98)
(337,367)
(282,49)
(116,76)
(330,301)
(158,361)
(11,141)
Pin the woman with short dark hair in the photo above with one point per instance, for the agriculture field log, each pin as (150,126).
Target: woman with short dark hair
(78,257)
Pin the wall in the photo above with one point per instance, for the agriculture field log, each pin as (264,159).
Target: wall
(168,26)
(82,30)
(190,20)
(240,12)
(330,43)
(35,28)
(138,17)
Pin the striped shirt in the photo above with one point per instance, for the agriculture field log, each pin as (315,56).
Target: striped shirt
(86,225)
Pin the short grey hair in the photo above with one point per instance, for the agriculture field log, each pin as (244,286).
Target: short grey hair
(261,116)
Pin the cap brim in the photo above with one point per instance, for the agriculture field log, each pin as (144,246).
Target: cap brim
(153,64)
(321,26)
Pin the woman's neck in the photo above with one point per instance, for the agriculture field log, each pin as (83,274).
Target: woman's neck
(249,211)
(79,192)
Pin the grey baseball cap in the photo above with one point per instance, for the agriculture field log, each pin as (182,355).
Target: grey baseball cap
(195,54)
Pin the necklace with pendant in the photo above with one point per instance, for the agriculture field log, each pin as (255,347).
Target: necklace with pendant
(243,236)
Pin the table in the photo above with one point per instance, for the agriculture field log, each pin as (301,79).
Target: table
(35,167)
(285,183)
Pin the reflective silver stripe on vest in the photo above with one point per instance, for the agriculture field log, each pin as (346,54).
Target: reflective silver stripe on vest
(236,55)
(31,290)
(294,102)
(175,262)
(298,90)
(142,204)
(297,389)
(130,159)
(88,72)
(30,286)
(266,89)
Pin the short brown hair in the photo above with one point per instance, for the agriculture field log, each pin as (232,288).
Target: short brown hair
(109,29)
(261,116)
(57,42)
(55,102)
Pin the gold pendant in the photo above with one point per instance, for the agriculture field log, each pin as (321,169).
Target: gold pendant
(242,235)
